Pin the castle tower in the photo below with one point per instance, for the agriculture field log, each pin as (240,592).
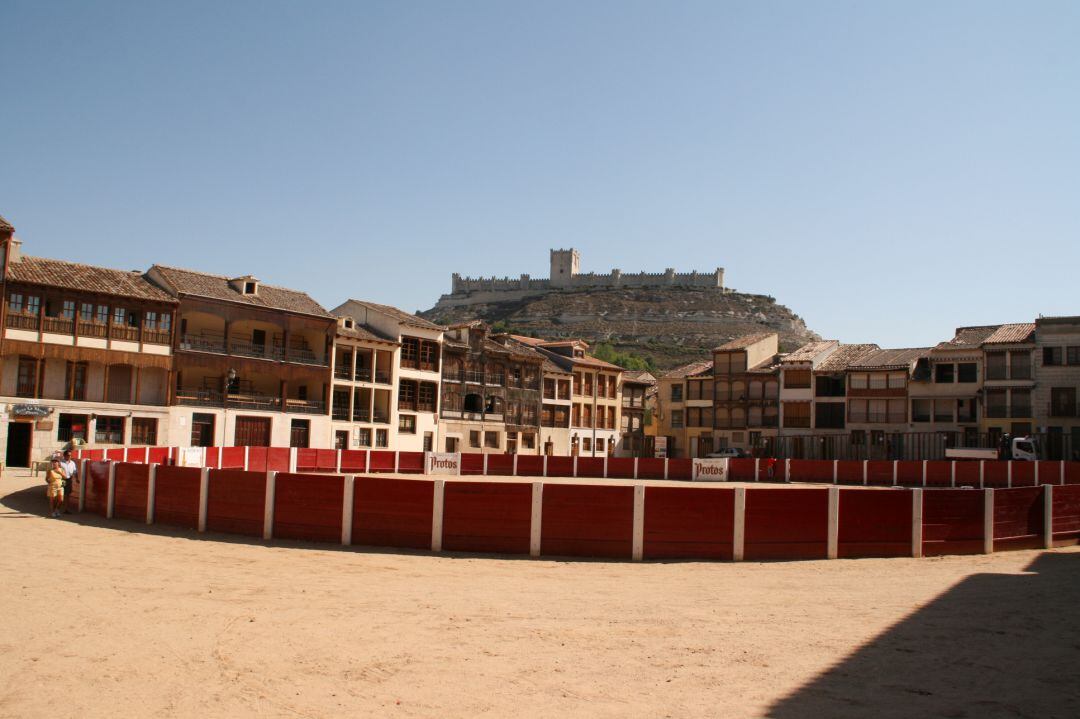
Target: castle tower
(564,267)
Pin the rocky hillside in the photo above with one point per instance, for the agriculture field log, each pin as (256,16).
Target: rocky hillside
(672,326)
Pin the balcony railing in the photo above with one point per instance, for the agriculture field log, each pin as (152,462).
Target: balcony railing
(252,400)
(361,415)
(878,418)
(341,413)
(95,329)
(198,343)
(245,348)
(382,417)
(454,376)
(199,398)
(797,422)
(124,333)
(382,377)
(343,373)
(363,374)
(153,336)
(496,380)
(305,406)
(20,321)
(58,325)
(301,355)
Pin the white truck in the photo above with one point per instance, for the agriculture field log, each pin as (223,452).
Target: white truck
(1018,448)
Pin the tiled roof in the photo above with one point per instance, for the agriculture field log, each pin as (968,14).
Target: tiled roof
(639,376)
(809,351)
(839,360)
(968,338)
(217,287)
(6,226)
(400,315)
(75,276)
(1016,332)
(689,370)
(769,366)
(363,332)
(741,343)
(890,358)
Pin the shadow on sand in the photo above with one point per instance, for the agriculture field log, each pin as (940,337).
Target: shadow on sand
(995,645)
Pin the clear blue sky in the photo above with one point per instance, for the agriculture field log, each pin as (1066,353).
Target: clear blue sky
(889,170)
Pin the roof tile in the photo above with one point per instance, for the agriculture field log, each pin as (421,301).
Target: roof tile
(217,287)
(75,276)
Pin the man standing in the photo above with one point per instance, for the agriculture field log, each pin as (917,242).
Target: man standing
(70,470)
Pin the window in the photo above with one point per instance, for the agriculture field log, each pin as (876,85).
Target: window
(797,379)
(612,388)
(796,414)
(474,438)
(381,438)
(249,288)
(165,322)
(943,410)
(528,440)
(858,437)
(144,430)
(407,424)
(427,397)
(429,356)
(27,382)
(407,395)
(150,320)
(68,309)
(410,352)
(676,393)
(586,445)
(1072,355)
(1062,401)
(1019,365)
(15,302)
(586,416)
(944,373)
(75,388)
(102,314)
(677,418)
(576,417)
(611,418)
(967,372)
(119,316)
(1052,356)
(71,427)
(859,380)
(33,305)
(429,441)
(599,444)
(920,410)
(110,430)
(86,312)
(898,380)
(829,386)
(577,383)
(829,415)
(300,433)
(363,437)
(549,388)
(996,363)
(491,440)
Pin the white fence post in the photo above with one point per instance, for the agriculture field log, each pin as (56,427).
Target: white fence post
(84,482)
(485,455)
(787,470)
(988,521)
(1048,516)
(865,471)
(1008,481)
(545,464)
(1061,479)
(665,467)
(605,467)
(952,474)
(636,474)
(268,505)
(575,465)
(111,497)
(151,492)
(638,547)
(895,471)
(337,468)
(536,520)
(247,457)
(513,465)
(347,506)
(834,523)
(835,470)
(397,461)
(916,522)
(738,549)
(437,515)
(924,473)
(982,469)
(757,468)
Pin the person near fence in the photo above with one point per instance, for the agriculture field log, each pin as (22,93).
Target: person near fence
(55,487)
(70,470)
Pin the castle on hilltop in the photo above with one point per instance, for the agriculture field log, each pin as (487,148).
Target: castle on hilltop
(566,275)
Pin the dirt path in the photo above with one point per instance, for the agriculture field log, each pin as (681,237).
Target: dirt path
(119,619)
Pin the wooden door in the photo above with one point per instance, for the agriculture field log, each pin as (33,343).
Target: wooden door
(252,432)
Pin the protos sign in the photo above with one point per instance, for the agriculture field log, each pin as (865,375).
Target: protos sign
(711,470)
(442,463)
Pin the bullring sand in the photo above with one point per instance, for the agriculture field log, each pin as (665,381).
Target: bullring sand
(104,619)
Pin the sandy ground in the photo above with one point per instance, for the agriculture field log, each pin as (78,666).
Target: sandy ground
(119,619)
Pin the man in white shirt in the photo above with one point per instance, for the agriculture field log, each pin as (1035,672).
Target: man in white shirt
(70,470)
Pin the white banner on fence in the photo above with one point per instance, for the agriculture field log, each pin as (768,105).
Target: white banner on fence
(711,470)
(192,456)
(442,463)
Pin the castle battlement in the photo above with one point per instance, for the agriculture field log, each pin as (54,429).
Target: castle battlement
(566,275)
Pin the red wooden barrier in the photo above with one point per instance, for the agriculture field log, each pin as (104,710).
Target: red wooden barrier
(996,474)
(500,465)
(96,484)
(472,463)
(176,496)
(1072,472)
(849,472)
(392,512)
(96,455)
(131,491)
(308,507)
(938,473)
(277,459)
(648,468)
(879,473)
(592,467)
(1018,517)
(688,523)
(909,473)
(212,455)
(236,502)
(787,523)
(115,454)
(159,455)
(233,457)
(587,521)
(682,468)
(967,474)
(953,520)
(326,460)
(1067,513)
(620,467)
(381,460)
(256,458)
(530,465)
(560,466)
(811,470)
(487,517)
(353,460)
(1023,474)
(874,524)
(307,460)
(411,462)
(135,455)
(739,470)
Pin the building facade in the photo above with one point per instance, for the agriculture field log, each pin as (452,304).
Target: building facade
(1057,384)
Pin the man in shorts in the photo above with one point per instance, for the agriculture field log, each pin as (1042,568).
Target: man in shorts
(70,470)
